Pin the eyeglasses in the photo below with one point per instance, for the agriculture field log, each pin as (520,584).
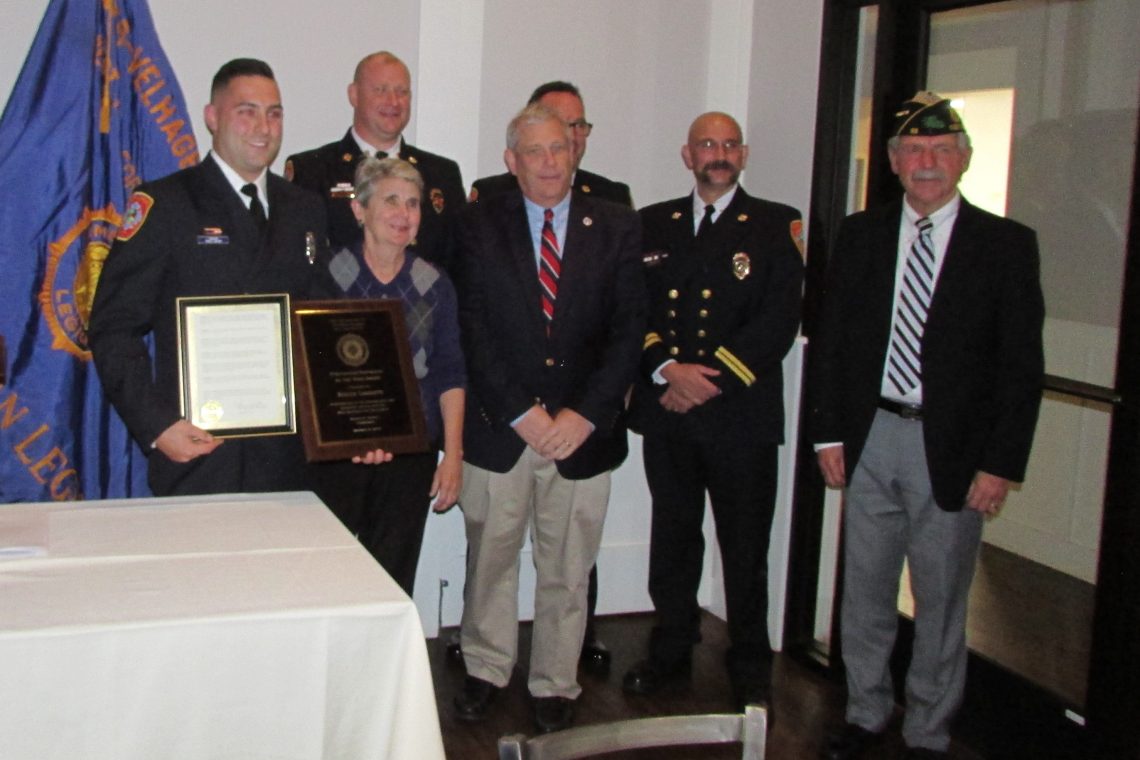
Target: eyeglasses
(581,125)
(730,146)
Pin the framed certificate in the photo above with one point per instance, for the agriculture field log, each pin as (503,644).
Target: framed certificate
(234,364)
(356,385)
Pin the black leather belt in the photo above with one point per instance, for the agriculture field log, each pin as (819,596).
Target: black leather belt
(906,411)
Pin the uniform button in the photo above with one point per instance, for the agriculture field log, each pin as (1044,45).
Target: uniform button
(706,293)
(700,352)
(672,333)
(701,333)
(674,351)
(672,314)
(674,294)
(549,362)
(703,313)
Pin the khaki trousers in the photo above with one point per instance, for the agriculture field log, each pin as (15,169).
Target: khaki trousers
(565,520)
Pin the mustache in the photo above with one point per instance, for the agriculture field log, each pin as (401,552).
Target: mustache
(721,165)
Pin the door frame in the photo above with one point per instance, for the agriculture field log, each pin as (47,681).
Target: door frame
(1001,709)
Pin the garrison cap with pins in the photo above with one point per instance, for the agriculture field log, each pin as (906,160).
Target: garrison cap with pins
(926,113)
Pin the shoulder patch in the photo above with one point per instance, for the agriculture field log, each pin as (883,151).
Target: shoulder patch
(796,229)
(138,207)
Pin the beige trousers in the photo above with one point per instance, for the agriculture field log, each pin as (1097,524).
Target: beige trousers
(565,520)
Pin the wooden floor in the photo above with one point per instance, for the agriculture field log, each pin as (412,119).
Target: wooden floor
(1030,619)
(806,703)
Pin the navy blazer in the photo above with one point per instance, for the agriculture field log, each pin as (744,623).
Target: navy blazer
(587,360)
(982,355)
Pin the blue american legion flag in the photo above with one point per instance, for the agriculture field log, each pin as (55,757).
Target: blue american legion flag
(95,112)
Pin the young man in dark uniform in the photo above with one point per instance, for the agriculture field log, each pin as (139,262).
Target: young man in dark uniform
(224,227)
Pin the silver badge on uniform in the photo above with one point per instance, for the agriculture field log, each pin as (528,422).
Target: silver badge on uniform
(311,247)
(741,265)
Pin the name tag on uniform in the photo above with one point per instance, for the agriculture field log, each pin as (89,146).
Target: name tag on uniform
(212,236)
(342,190)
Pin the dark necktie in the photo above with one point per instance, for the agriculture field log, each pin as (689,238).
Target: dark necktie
(549,266)
(905,363)
(256,210)
(706,221)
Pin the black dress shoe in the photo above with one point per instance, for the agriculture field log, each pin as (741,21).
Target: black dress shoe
(471,703)
(649,676)
(553,713)
(850,743)
(924,753)
(595,657)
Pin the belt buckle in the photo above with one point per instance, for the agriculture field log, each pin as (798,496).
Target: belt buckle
(910,412)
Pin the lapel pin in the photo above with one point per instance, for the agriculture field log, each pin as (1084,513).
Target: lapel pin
(742,218)
(347,157)
(676,215)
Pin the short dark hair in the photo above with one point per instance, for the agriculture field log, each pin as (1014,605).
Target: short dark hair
(549,87)
(239,67)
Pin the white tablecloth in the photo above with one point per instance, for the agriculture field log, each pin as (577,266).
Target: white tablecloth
(244,627)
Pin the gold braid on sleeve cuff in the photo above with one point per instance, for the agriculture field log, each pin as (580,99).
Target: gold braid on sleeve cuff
(735,366)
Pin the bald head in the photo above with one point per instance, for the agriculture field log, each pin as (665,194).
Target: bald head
(715,153)
(381,57)
(713,120)
(381,98)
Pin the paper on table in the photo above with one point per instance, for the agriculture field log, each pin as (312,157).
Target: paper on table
(23,534)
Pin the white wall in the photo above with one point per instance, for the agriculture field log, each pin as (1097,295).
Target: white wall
(646,69)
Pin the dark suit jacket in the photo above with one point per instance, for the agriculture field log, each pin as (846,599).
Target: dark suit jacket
(982,357)
(730,301)
(198,239)
(587,361)
(329,169)
(587,183)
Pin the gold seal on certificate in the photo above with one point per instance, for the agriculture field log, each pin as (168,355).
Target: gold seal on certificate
(234,364)
(356,387)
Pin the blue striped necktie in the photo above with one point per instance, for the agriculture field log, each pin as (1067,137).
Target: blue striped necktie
(905,363)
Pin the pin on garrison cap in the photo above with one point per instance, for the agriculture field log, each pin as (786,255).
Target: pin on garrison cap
(926,113)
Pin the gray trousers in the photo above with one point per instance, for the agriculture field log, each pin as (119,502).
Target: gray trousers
(889,514)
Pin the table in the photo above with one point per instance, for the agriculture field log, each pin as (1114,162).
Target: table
(233,626)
